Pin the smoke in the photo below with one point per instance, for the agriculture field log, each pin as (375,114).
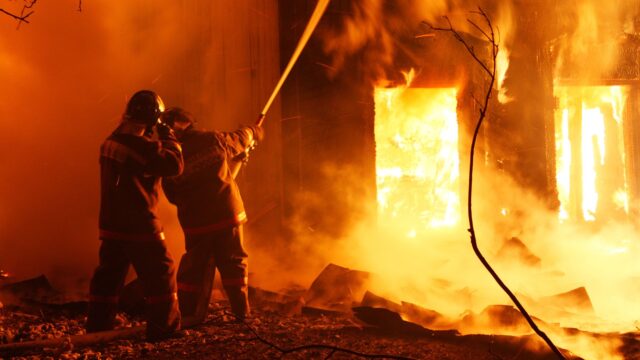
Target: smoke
(584,36)
(373,30)
(67,75)
(54,121)
(366,27)
(410,268)
(66,78)
(591,31)
(437,268)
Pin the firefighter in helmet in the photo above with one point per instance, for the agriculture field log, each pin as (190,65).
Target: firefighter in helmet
(211,213)
(131,166)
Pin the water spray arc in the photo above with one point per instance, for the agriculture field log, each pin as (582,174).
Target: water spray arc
(319,10)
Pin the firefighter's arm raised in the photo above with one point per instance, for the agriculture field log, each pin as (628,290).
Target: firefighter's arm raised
(242,140)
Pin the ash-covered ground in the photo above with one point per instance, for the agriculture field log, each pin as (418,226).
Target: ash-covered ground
(268,335)
(299,324)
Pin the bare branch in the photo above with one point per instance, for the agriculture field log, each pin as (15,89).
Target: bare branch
(29,4)
(458,37)
(490,36)
(486,36)
(20,18)
(26,12)
(333,349)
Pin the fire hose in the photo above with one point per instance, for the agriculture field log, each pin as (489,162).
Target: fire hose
(321,6)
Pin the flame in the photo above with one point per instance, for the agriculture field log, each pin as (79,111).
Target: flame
(505,26)
(502,65)
(621,199)
(595,113)
(417,162)
(592,142)
(592,28)
(408,77)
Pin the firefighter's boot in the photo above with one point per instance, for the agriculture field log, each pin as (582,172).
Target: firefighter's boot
(239,301)
(101,316)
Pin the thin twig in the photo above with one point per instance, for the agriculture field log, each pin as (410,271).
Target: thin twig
(480,30)
(330,355)
(20,18)
(29,5)
(334,349)
(491,71)
(458,37)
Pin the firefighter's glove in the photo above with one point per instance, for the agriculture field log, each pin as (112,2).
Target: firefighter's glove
(164,131)
(244,155)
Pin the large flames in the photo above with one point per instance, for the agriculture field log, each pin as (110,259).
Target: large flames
(417,162)
(418,169)
(590,152)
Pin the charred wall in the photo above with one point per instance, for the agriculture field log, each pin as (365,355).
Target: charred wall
(522,130)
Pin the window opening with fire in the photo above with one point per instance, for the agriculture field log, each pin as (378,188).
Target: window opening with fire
(590,152)
(417,160)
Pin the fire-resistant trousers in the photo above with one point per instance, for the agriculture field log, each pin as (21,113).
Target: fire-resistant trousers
(223,250)
(155,269)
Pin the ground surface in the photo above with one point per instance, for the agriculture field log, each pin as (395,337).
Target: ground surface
(268,335)
(294,325)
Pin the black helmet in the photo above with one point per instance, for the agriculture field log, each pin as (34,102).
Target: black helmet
(144,107)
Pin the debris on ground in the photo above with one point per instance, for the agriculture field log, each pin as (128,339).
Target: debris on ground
(280,325)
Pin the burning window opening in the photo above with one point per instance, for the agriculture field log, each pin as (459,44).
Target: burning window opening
(417,160)
(590,157)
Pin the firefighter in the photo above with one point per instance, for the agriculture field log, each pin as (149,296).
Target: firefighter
(131,165)
(211,213)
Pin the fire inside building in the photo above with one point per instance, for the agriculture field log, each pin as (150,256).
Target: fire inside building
(384,122)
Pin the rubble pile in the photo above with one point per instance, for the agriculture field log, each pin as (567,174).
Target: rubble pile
(327,320)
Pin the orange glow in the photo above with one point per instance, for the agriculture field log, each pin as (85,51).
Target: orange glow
(417,162)
(589,122)
(505,22)
(502,65)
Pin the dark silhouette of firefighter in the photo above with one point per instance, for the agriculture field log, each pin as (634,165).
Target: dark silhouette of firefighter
(211,213)
(131,166)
